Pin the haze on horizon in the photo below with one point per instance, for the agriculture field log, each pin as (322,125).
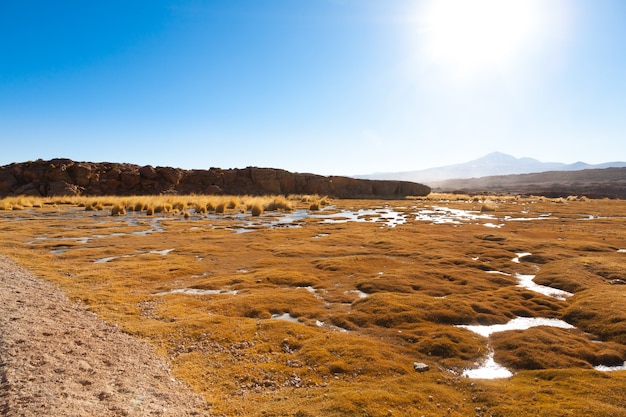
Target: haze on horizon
(334,87)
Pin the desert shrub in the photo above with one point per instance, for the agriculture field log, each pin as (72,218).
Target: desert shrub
(220,208)
(150,211)
(315,206)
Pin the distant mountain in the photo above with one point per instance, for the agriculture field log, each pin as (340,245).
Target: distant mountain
(495,163)
(593,183)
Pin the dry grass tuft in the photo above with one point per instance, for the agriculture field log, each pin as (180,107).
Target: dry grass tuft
(118,210)
(488,206)
(256,209)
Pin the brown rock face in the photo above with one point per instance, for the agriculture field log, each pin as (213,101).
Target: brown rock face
(66,177)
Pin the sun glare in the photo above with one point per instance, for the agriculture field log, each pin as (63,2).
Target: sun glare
(469,37)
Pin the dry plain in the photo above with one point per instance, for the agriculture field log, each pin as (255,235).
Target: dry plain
(308,307)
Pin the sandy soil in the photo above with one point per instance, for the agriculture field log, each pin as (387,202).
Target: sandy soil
(58,359)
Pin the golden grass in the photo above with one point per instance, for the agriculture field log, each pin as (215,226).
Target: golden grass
(347,355)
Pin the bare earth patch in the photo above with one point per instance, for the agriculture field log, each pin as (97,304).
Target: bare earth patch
(57,358)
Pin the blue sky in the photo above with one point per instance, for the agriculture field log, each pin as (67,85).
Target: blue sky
(337,87)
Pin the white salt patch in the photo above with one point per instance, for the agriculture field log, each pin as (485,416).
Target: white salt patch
(621,250)
(518,323)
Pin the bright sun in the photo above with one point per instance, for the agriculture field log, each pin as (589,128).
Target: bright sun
(471,37)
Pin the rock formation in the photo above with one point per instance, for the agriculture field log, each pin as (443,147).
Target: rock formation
(66,177)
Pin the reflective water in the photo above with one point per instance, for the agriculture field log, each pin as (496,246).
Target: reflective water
(518,323)
(527,282)
(490,369)
(286,317)
(605,368)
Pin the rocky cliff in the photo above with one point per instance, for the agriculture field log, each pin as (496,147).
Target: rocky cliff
(66,177)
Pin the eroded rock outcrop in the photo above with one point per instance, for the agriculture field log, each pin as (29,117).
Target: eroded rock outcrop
(66,177)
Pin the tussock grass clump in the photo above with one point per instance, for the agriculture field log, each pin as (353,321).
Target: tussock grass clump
(139,206)
(488,206)
(256,209)
(200,208)
(232,204)
(278,203)
(118,210)
(544,348)
(163,208)
(596,312)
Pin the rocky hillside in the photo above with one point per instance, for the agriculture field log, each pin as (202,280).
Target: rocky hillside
(66,177)
(594,183)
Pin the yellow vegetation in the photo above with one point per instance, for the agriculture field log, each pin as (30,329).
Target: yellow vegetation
(326,318)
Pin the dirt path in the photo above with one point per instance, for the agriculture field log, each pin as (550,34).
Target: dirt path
(58,359)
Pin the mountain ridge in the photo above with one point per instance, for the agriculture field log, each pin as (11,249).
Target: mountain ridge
(492,164)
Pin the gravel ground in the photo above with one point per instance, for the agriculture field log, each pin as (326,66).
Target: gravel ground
(59,359)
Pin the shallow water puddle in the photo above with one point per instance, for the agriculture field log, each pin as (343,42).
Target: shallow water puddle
(358,293)
(285,317)
(386,216)
(518,323)
(445,215)
(111,258)
(527,282)
(605,368)
(152,252)
(520,256)
(196,291)
(490,369)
